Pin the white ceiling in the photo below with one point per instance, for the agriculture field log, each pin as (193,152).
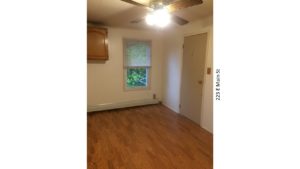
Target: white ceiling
(117,13)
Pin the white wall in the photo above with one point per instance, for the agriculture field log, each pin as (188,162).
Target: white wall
(172,69)
(173,52)
(105,79)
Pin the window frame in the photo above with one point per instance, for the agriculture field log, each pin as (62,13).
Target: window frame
(125,67)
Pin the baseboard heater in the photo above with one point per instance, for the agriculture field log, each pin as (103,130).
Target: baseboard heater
(124,104)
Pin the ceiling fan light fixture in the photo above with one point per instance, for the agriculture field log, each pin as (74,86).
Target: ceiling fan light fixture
(159,17)
(163,17)
(150,19)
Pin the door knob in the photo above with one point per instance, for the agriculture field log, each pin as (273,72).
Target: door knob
(200,82)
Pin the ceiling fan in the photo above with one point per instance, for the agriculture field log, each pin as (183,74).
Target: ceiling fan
(160,10)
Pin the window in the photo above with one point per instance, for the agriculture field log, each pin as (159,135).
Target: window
(137,64)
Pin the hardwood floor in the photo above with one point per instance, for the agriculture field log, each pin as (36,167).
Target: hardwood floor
(149,137)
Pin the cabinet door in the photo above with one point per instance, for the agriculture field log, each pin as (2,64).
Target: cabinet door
(97,44)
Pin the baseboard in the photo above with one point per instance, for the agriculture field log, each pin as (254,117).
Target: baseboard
(118,105)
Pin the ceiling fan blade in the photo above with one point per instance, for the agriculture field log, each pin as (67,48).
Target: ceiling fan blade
(177,5)
(174,18)
(137,20)
(179,20)
(134,3)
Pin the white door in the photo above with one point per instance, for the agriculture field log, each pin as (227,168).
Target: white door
(193,67)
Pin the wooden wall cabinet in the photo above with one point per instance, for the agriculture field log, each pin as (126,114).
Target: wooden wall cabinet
(97,43)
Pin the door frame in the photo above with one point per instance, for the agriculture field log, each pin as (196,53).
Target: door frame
(209,34)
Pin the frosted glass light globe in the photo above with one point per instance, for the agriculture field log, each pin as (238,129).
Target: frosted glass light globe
(160,18)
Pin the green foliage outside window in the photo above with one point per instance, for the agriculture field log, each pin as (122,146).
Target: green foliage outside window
(136,77)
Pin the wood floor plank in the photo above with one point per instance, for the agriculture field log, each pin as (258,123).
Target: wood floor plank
(149,137)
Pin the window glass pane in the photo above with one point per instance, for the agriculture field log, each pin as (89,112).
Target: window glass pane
(137,53)
(137,77)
